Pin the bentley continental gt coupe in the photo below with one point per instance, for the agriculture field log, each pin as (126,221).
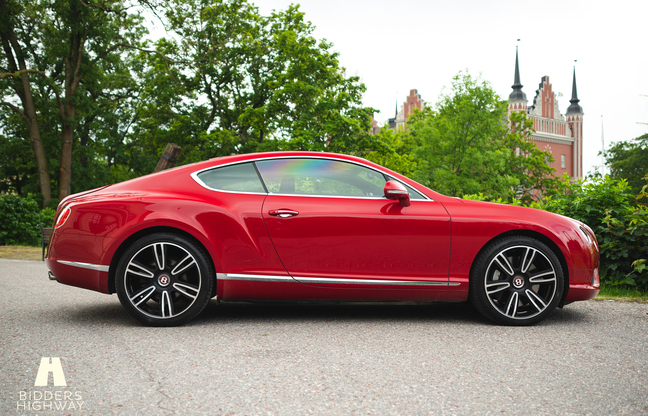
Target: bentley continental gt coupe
(313,226)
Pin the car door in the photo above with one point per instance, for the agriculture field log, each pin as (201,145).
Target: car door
(331,225)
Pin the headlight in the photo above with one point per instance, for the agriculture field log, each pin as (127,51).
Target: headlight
(586,234)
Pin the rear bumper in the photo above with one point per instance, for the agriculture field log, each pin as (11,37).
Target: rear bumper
(82,275)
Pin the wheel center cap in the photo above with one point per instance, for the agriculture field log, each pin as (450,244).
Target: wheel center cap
(164,280)
(518,282)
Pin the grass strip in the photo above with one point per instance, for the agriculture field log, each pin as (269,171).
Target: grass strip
(20,253)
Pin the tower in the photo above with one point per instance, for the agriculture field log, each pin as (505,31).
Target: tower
(517,99)
(575,121)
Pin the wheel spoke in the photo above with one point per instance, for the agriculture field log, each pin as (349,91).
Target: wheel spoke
(496,286)
(144,293)
(511,307)
(183,265)
(533,298)
(537,277)
(158,249)
(526,264)
(139,270)
(187,290)
(504,264)
(166,306)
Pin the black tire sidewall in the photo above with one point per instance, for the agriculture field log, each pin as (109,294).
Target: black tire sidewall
(206,277)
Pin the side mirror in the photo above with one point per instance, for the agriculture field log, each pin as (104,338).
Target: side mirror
(396,191)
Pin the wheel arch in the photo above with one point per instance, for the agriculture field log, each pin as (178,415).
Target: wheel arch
(540,237)
(148,231)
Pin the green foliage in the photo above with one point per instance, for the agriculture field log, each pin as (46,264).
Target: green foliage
(462,141)
(528,164)
(394,150)
(223,80)
(629,160)
(228,80)
(481,197)
(67,63)
(18,219)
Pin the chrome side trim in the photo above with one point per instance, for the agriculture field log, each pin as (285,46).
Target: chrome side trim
(254,277)
(97,267)
(368,282)
(269,278)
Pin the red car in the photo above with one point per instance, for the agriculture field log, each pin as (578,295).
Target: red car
(314,226)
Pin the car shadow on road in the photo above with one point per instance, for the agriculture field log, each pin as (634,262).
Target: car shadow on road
(219,313)
(439,313)
(238,312)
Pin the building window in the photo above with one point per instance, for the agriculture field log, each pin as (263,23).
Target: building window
(563,161)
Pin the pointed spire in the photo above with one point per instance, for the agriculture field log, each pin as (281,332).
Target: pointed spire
(517,94)
(574,107)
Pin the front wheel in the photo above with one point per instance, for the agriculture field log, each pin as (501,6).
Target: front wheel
(164,280)
(516,281)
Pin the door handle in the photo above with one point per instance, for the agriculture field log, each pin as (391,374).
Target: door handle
(283,213)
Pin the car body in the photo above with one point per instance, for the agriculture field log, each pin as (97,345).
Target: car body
(314,226)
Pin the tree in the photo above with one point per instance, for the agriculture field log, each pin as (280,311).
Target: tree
(629,160)
(239,82)
(528,164)
(97,105)
(394,150)
(56,56)
(463,149)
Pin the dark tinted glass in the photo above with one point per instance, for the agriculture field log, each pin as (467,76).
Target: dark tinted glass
(235,178)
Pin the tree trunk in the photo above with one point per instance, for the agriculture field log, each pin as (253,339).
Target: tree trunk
(68,112)
(40,155)
(169,157)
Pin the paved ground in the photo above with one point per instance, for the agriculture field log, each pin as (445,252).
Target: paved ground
(589,358)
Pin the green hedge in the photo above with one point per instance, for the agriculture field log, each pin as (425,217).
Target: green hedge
(19,218)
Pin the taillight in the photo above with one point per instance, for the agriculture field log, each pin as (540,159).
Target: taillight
(63,217)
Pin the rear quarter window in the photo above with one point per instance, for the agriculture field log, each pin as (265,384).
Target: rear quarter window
(235,178)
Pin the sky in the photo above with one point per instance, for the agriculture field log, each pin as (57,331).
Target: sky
(396,46)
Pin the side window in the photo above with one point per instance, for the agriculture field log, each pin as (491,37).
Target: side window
(234,178)
(320,177)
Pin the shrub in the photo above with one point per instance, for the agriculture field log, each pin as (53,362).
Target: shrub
(620,227)
(18,219)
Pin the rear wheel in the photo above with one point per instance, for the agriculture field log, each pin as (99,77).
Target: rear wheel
(516,281)
(164,280)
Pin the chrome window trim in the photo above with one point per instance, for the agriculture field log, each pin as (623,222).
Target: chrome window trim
(195,174)
(325,280)
(97,267)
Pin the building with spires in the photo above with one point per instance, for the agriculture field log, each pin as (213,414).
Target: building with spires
(412,101)
(560,135)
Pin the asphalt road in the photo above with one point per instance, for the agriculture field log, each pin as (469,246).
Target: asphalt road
(589,358)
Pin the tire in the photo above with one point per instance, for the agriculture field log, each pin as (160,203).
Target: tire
(516,281)
(164,280)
